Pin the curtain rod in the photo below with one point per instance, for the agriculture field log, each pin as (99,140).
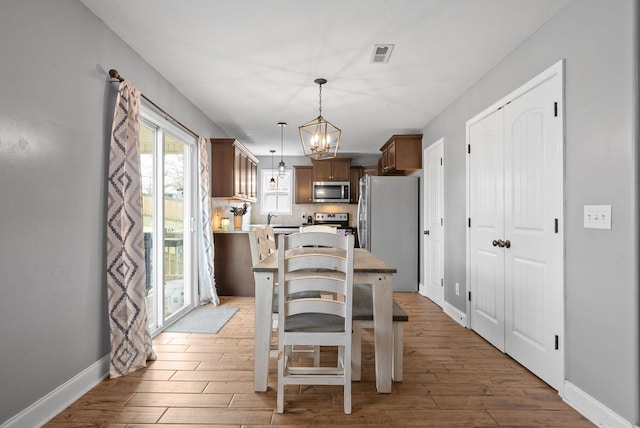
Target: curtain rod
(114,74)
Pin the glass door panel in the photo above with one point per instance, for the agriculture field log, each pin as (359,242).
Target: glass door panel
(174,225)
(167,170)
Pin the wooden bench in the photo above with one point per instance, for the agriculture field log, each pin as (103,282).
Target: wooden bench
(362,317)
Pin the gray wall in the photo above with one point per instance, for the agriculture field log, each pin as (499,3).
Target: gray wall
(597,39)
(55,116)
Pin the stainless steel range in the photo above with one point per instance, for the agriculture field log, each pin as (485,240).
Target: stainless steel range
(339,220)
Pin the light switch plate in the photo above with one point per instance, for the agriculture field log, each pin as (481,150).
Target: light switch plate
(597,217)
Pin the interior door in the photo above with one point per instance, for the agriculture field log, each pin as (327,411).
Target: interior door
(433,231)
(486,213)
(533,208)
(515,240)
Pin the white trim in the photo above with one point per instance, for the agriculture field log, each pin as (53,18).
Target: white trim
(456,314)
(592,409)
(60,398)
(422,290)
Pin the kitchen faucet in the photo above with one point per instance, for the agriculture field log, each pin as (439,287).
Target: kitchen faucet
(269,217)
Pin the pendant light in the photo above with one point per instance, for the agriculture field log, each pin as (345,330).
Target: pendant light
(320,139)
(272,182)
(281,165)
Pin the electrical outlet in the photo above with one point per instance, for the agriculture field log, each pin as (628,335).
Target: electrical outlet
(457,289)
(597,217)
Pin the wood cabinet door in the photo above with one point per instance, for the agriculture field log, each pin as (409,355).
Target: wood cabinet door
(354,183)
(340,169)
(304,182)
(322,170)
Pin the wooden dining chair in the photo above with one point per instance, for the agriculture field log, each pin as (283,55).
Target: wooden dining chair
(315,321)
(262,244)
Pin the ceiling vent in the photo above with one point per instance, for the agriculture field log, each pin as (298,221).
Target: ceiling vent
(381,54)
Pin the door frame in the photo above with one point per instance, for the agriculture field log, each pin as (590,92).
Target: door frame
(556,69)
(437,296)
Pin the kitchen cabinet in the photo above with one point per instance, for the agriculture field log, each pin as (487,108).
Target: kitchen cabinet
(354,183)
(336,169)
(234,170)
(303,184)
(232,264)
(370,169)
(402,154)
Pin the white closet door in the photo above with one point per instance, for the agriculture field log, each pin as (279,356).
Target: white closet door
(486,211)
(533,202)
(433,221)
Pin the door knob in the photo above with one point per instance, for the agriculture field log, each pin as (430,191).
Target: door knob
(498,243)
(495,243)
(507,243)
(426,232)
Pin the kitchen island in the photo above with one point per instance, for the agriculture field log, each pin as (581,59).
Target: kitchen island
(232,261)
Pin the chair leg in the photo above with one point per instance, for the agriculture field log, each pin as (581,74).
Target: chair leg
(347,381)
(282,358)
(356,352)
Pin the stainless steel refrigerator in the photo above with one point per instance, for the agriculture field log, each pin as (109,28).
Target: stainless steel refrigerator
(388,225)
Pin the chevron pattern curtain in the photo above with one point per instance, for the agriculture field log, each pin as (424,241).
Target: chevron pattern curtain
(206,283)
(130,338)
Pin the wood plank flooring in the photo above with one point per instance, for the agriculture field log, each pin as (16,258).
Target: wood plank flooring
(452,378)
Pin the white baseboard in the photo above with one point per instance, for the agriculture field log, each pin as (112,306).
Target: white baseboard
(455,313)
(60,398)
(422,290)
(592,409)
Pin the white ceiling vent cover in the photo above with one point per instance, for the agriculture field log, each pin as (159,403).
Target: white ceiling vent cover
(381,54)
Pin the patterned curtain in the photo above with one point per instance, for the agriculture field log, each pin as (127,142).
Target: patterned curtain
(130,338)
(205,239)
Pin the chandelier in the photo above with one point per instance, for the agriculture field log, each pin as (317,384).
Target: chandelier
(320,138)
(272,182)
(281,165)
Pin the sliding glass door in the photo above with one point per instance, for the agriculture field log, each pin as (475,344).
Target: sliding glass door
(167,156)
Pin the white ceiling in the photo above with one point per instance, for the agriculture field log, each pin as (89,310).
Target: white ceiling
(248,64)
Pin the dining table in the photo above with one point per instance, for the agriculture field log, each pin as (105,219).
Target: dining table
(367,269)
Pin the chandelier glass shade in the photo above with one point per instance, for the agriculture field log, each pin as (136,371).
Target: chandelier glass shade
(320,138)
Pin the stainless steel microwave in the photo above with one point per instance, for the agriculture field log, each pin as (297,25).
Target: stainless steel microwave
(331,191)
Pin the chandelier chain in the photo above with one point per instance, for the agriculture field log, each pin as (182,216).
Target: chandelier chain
(320,101)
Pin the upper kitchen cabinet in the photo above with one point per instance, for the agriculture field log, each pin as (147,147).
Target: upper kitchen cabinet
(402,154)
(336,169)
(354,183)
(371,169)
(304,184)
(234,170)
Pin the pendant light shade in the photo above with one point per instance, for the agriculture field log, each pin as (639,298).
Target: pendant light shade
(320,138)
(281,165)
(272,182)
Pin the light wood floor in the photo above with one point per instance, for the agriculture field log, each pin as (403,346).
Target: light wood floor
(452,377)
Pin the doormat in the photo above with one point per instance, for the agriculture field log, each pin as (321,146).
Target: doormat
(203,319)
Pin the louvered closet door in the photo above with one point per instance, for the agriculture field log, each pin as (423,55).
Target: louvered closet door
(533,202)
(486,210)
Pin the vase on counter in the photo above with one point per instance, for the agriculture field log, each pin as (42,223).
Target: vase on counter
(237,222)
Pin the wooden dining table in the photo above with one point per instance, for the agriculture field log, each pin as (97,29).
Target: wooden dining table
(367,269)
